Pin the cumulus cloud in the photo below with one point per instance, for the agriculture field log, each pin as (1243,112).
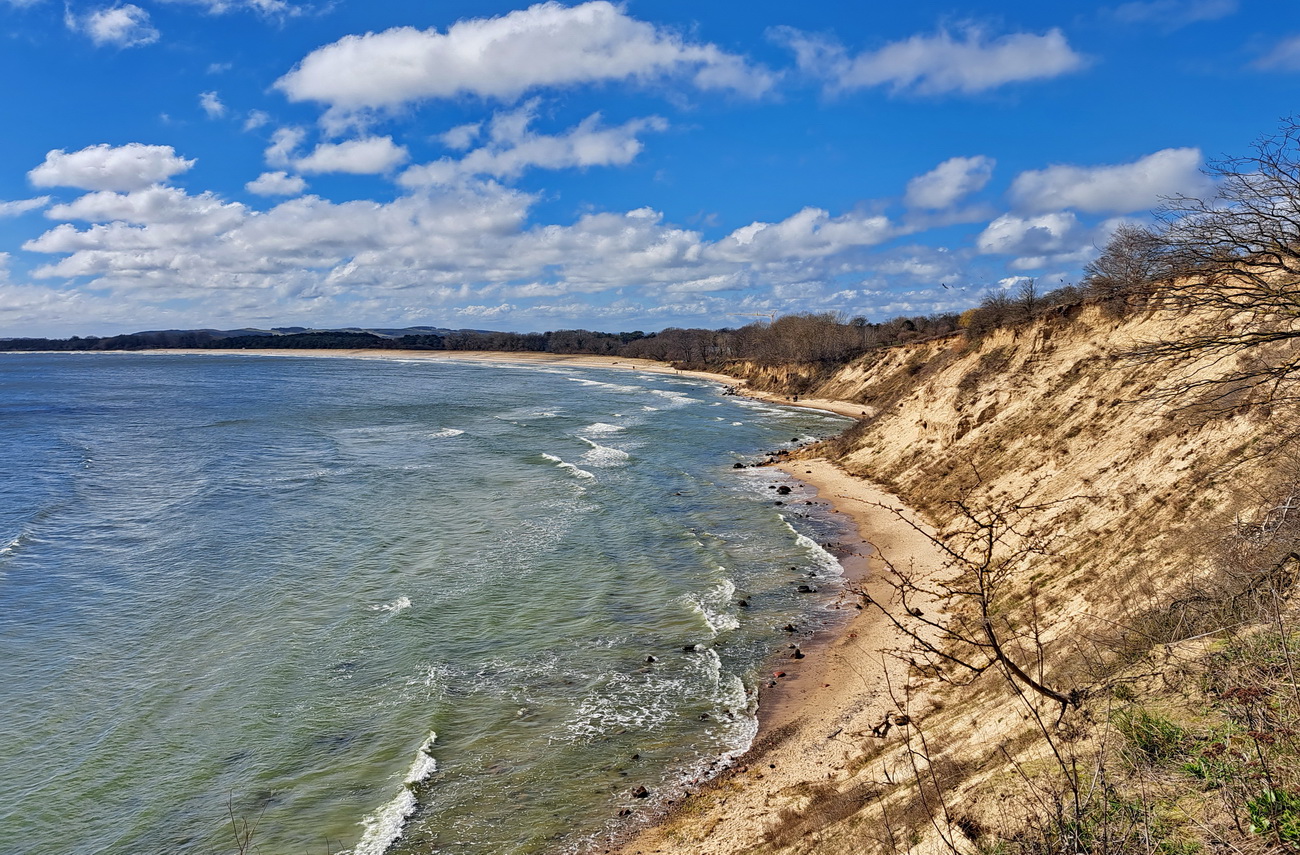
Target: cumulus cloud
(276,184)
(810,233)
(1173,14)
(367,156)
(455,246)
(22,206)
(967,62)
(1284,56)
(133,166)
(545,45)
(1119,188)
(1040,241)
(512,148)
(118,26)
(949,182)
(202,215)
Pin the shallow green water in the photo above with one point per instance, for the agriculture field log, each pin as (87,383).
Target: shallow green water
(268,582)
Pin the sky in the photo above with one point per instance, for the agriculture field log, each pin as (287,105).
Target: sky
(615,166)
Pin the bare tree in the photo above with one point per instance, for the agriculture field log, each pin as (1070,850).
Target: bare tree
(1133,260)
(1237,252)
(1028,299)
(973,628)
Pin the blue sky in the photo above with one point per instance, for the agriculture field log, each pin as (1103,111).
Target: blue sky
(227,163)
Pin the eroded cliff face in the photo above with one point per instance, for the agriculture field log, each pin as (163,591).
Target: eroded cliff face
(1122,494)
(1055,418)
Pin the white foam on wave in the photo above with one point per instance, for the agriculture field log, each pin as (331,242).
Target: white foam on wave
(712,605)
(385,826)
(824,560)
(625,703)
(711,665)
(602,427)
(12,546)
(673,400)
(603,455)
(581,473)
(615,386)
(445,433)
(377,430)
(397,606)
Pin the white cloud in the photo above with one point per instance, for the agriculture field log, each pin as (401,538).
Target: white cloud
(1041,235)
(120,26)
(1285,56)
(204,214)
(512,148)
(935,64)
(265,7)
(22,206)
(211,104)
(920,263)
(450,247)
(462,137)
(284,145)
(256,119)
(545,45)
(367,156)
(1173,14)
(810,233)
(133,166)
(1119,188)
(949,182)
(276,184)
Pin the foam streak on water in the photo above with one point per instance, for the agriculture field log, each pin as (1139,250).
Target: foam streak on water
(265,582)
(385,826)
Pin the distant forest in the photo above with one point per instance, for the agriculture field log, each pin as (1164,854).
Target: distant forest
(825,339)
(828,339)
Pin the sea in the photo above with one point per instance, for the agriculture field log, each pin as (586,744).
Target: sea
(286,604)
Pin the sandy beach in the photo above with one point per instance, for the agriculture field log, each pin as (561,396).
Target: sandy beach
(649,366)
(816,720)
(817,712)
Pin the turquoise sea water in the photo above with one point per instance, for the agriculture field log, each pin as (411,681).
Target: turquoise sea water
(378,606)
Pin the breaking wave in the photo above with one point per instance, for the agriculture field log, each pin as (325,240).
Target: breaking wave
(581,473)
(385,826)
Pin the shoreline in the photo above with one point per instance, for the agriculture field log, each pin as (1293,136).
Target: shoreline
(814,722)
(650,366)
(817,713)
(579,360)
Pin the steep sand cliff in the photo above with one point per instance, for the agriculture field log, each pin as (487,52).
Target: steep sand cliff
(1111,496)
